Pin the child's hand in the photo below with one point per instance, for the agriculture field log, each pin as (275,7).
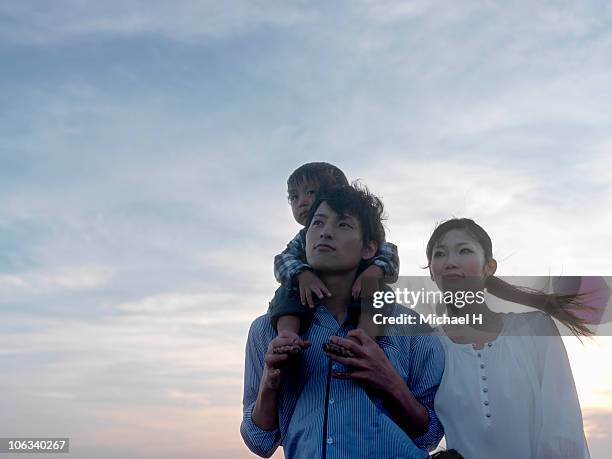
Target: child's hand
(372,272)
(309,284)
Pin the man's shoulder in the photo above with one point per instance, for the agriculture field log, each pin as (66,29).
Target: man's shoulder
(261,328)
(262,323)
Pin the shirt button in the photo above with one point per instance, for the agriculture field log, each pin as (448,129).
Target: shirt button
(479,354)
(484,378)
(488,415)
(486,403)
(485,390)
(330,440)
(331,401)
(482,365)
(489,344)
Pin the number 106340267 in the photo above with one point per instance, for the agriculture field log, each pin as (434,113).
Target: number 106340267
(34,445)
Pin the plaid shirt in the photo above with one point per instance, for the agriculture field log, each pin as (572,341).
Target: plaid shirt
(292,261)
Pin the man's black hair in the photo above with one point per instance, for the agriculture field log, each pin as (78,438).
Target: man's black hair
(357,201)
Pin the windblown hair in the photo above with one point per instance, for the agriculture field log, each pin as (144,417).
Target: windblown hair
(560,306)
(358,202)
(325,175)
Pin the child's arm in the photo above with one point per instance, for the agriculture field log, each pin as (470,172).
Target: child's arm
(385,265)
(387,259)
(290,263)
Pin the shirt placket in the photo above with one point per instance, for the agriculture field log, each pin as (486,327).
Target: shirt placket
(483,380)
(334,410)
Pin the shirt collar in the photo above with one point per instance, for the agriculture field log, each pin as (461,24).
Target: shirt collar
(325,318)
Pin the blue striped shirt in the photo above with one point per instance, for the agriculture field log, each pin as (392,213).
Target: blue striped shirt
(358,424)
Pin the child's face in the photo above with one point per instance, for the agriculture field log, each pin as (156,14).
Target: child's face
(301,198)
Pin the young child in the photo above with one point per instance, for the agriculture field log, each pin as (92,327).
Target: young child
(300,287)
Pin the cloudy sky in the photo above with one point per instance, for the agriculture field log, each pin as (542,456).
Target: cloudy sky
(144,151)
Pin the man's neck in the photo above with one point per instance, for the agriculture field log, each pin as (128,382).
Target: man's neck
(340,286)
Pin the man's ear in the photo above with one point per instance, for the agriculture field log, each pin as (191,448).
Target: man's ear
(369,250)
(490,267)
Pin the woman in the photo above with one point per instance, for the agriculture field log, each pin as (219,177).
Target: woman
(507,389)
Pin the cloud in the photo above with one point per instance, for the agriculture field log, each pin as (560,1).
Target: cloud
(203,308)
(597,431)
(145,149)
(54,281)
(187,21)
(537,225)
(140,371)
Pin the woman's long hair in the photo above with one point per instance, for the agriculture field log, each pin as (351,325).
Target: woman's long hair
(562,307)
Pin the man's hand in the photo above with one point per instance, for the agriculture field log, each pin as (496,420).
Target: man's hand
(265,412)
(369,364)
(371,272)
(309,283)
(371,367)
(279,350)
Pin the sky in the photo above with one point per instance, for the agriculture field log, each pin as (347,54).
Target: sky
(144,152)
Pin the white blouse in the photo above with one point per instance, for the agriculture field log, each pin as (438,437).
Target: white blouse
(515,398)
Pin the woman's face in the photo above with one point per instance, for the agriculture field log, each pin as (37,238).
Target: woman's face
(458,258)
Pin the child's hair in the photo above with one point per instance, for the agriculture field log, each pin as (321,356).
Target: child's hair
(325,175)
(357,201)
(560,306)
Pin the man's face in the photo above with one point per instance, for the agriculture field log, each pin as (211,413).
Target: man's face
(334,242)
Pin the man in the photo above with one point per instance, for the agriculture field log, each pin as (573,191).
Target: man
(377,400)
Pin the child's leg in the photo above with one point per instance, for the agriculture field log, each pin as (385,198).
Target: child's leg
(286,305)
(288,314)
(288,323)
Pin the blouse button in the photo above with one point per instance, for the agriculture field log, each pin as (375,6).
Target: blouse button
(485,390)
